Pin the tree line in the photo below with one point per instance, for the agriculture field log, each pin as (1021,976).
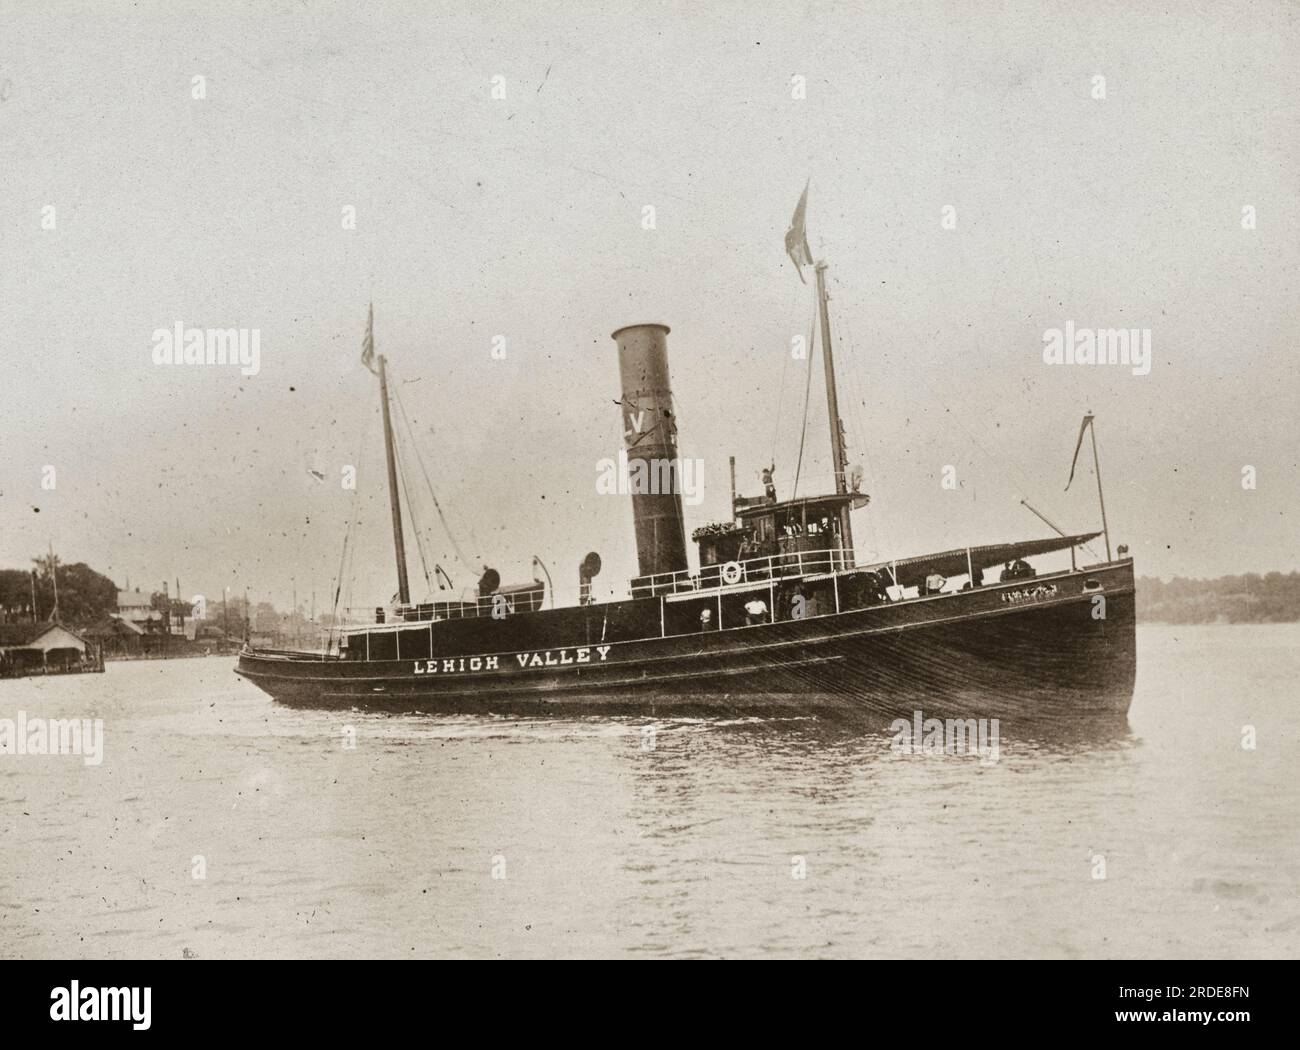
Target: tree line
(1251,598)
(86,598)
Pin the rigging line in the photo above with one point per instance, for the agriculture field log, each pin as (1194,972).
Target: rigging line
(348,570)
(349,593)
(807,390)
(699,480)
(780,399)
(410,430)
(401,407)
(334,611)
(857,409)
(410,504)
(780,404)
(466,527)
(1024,489)
(349,551)
(415,526)
(348,535)
(421,540)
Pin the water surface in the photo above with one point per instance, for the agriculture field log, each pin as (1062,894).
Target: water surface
(487,837)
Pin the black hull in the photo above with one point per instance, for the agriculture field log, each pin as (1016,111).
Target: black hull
(997,651)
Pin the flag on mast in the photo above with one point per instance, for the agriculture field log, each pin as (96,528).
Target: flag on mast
(1087,422)
(368,344)
(796,237)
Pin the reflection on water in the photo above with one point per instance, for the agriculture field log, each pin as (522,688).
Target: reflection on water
(782,834)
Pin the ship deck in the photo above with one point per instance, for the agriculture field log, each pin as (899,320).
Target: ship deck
(1064,637)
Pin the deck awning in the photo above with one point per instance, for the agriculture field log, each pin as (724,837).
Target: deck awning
(913,571)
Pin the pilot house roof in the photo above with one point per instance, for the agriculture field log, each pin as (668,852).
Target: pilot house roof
(828,504)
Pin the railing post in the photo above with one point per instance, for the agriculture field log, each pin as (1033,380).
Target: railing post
(835,585)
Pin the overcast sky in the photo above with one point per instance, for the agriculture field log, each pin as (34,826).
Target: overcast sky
(523,217)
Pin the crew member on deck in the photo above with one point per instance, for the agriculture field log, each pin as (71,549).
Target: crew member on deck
(706,620)
(755,611)
(769,486)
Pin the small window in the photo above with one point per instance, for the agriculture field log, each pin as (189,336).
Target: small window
(415,644)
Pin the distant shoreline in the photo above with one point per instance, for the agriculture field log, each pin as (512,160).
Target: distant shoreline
(1252,598)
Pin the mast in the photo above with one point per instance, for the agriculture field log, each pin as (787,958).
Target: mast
(833,410)
(1096,466)
(399,544)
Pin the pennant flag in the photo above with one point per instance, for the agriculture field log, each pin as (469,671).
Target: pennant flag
(796,237)
(1087,422)
(368,344)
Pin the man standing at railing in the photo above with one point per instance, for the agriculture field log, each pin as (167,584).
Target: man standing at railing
(755,611)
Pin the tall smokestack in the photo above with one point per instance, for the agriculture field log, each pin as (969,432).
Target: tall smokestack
(650,435)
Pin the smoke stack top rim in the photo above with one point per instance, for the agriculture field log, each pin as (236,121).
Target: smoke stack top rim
(648,324)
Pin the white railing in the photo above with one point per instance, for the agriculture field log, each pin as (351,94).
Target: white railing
(441,609)
(749,571)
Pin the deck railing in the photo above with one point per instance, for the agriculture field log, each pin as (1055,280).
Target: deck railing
(454,609)
(754,571)
(749,571)
(707,578)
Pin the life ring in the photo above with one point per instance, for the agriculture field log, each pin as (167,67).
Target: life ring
(732,572)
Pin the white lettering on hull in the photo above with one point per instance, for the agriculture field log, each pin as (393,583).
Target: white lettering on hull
(545,658)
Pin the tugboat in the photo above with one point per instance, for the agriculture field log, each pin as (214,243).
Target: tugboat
(777,612)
